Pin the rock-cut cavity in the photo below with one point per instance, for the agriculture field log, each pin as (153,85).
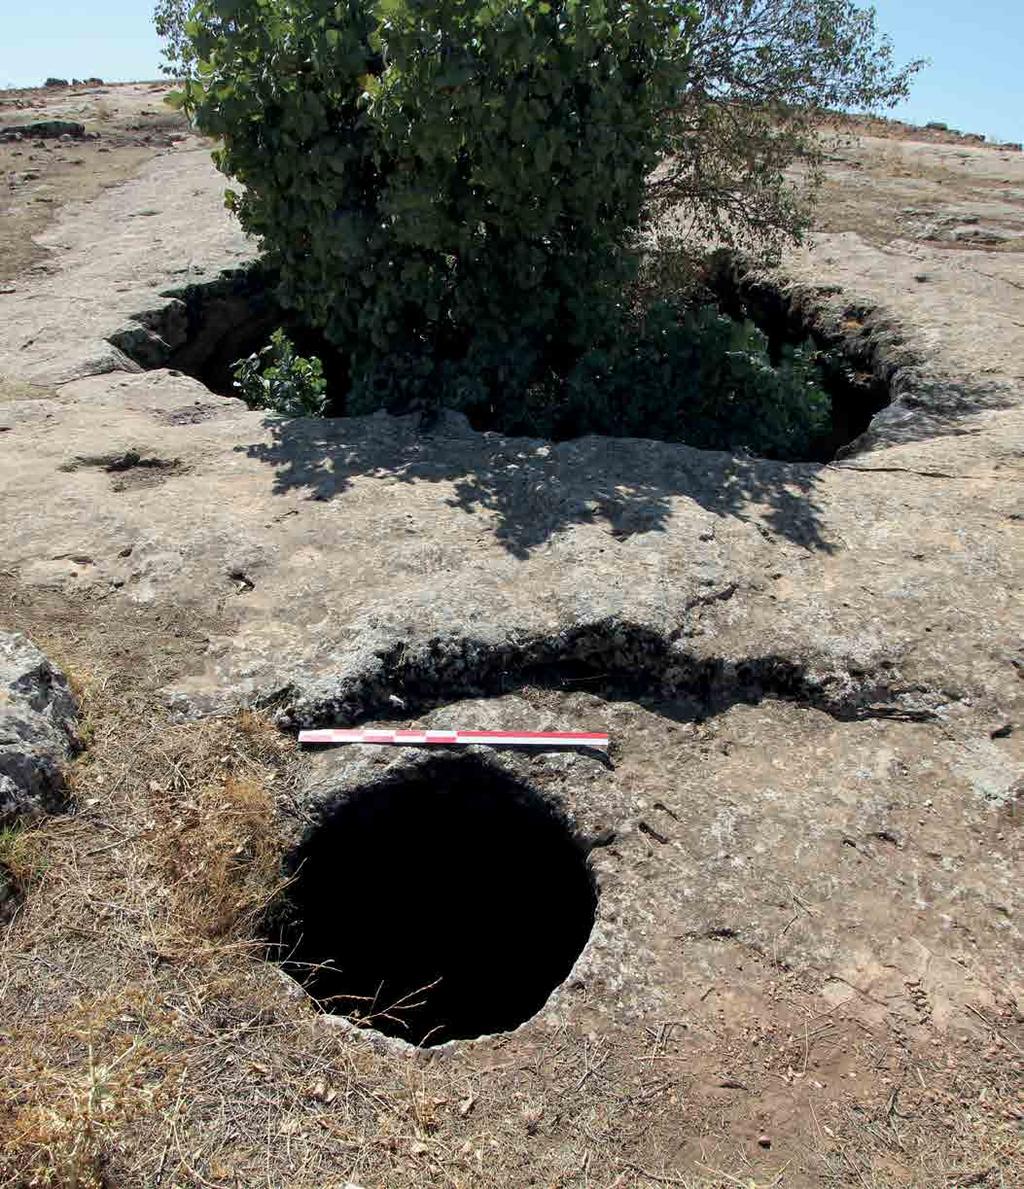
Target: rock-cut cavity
(442,904)
(204,329)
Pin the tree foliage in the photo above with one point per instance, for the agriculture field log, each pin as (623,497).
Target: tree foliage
(459,193)
(448,188)
(170,18)
(698,376)
(762,73)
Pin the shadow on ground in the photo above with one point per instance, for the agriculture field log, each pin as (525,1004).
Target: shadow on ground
(535,489)
(933,408)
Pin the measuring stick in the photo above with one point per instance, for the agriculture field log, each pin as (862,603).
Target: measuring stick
(449,738)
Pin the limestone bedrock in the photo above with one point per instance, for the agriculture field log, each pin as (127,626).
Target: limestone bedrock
(850,633)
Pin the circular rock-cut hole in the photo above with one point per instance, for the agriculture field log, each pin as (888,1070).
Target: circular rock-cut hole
(443,905)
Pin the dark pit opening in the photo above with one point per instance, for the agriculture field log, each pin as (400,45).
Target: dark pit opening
(211,325)
(854,372)
(446,903)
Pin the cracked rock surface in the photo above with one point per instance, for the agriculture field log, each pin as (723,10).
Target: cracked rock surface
(37,730)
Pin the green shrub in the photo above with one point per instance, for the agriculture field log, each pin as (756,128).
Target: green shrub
(450,189)
(693,376)
(276,378)
(454,193)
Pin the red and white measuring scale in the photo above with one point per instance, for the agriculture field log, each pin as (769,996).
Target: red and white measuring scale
(407,738)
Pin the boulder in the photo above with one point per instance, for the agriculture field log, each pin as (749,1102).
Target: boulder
(37,730)
(48,129)
(977,235)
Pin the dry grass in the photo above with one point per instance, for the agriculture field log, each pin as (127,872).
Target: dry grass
(167,864)
(144,1041)
(219,842)
(894,1147)
(21,857)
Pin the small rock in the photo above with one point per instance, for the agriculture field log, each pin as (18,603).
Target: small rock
(37,730)
(978,235)
(764,1141)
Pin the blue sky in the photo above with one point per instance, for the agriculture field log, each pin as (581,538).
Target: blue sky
(975,82)
(976,79)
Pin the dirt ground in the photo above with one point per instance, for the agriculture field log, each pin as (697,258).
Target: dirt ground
(145,1044)
(143,1041)
(130,124)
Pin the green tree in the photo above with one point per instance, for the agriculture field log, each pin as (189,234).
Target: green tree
(459,193)
(450,189)
(170,18)
(762,74)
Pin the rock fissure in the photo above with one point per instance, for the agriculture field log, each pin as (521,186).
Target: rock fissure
(613,659)
(925,474)
(883,390)
(118,462)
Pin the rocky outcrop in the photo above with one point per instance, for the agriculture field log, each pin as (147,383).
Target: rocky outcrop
(46,129)
(37,730)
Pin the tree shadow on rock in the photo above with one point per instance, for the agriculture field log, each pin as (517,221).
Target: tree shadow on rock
(535,489)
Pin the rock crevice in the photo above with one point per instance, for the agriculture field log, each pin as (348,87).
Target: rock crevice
(612,658)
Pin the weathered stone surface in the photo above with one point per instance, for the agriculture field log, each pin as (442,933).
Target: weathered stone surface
(61,332)
(37,730)
(359,537)
(708,813)
(811,673)
(363,536)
